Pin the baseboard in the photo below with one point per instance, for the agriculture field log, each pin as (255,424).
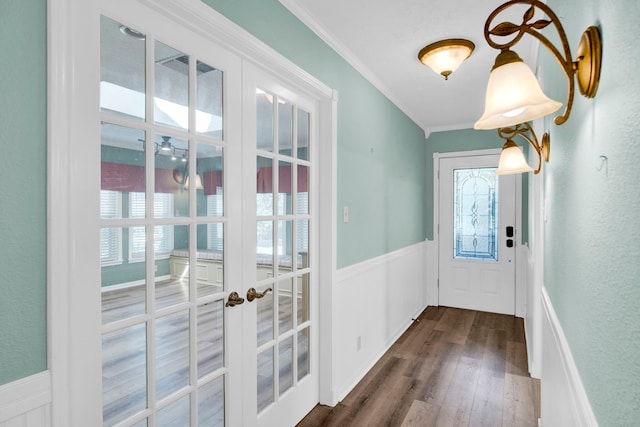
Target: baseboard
(26,402)
(564,400)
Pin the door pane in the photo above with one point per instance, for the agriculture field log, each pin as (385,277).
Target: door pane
(209,101)
(175,415)
(264,250)
(171,99)
(124,373)
(303,298)
(303,354)
(171,245)
(122,77)
(264,121)
(285,128)
(285,362)
(475,214)
(285,247)
(211,404)
(285,200)
(264,186)
(172,354)
(303,134)
(210,259)
(124,291)
(285,305)
(171,171)
(210,180)
(265,379)
(210,337)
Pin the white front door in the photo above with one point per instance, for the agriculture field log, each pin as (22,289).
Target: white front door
(477,238)
(206,191)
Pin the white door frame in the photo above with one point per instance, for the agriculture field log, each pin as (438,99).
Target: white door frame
(74,341)
(432,287)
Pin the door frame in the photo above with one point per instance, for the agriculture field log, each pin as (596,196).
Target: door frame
(520,284)
(73,325)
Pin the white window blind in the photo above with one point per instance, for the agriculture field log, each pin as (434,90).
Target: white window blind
(162,234)
(215,238)
(110,237)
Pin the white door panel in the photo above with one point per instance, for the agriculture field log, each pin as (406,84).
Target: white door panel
(476,258)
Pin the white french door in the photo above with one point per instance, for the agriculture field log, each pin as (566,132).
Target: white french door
(207,232)
(477,238)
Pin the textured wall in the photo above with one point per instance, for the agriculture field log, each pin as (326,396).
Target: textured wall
(380,151)
(23,345)
(592,231)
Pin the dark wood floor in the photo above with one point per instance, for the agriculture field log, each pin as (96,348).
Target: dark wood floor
(452,367)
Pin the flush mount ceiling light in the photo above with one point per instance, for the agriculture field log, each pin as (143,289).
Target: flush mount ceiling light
(513,93)
(445,56)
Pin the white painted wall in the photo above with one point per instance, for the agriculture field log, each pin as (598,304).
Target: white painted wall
(374,302)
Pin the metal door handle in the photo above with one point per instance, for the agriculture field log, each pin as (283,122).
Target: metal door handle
(253,294)
(234,299)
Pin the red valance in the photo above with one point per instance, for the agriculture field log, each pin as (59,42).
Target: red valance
(264,179)
(130,178)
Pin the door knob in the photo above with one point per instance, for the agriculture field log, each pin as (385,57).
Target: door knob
(253,294)
(234,299)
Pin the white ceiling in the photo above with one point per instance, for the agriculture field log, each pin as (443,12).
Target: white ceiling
(382,38)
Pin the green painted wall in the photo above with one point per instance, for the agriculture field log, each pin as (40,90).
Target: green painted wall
(380,153)
(23,133)
(592,233)
(467,140)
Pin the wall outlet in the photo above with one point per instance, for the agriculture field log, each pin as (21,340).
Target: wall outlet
(345,214)
(358,343)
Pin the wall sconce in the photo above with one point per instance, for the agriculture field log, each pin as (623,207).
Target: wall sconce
(445,56)
(513,94)
(511,159)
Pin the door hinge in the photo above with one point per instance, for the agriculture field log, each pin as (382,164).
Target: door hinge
(438,283)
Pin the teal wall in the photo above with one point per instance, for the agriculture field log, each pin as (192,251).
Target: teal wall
(23,133)
(592,233)
(467,140)
(380,152)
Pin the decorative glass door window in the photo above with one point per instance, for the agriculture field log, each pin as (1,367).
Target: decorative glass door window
(475,214)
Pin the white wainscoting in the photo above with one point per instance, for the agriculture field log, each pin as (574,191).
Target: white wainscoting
(374,302)
(26,402)
(564,401)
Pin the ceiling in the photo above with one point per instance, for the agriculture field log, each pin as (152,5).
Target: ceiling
(382,38)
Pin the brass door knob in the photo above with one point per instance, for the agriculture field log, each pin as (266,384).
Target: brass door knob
(253,294)
(234,299)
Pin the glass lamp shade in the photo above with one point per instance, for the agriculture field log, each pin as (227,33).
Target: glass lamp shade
(512,160)
(199,185)
(514,96)
(445,56)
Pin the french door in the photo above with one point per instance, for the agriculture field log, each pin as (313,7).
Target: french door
(207,232)
(477,243)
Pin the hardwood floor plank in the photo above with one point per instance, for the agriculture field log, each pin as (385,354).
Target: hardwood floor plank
(421,414)
(451,368)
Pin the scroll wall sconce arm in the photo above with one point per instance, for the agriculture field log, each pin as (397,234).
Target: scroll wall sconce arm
(586,68)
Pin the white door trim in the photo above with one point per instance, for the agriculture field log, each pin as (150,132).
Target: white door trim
(73,70)
(432,290)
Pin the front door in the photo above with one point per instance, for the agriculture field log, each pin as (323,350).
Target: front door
(206,193)
(477,237)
